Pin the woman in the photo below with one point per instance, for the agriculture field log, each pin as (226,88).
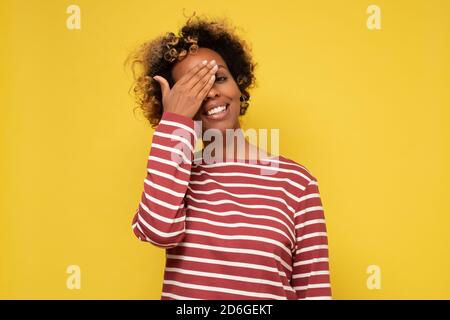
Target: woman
(230,232)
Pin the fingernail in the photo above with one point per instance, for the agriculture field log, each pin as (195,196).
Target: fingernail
(204,62)
(213,62)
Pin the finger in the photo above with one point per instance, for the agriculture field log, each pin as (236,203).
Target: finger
(204,91)
(192,72)
(204,81)
(200,78)
(165,88)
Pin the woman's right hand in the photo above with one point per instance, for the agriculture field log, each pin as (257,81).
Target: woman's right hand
(188,93)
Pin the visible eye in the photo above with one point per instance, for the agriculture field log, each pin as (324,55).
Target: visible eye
(223,78)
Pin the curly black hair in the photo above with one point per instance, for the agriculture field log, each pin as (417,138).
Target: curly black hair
(157,57)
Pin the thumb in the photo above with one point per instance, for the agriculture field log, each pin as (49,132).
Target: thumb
(165,88)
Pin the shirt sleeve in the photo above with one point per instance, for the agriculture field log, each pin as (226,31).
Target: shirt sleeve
(160,216)
(310,273)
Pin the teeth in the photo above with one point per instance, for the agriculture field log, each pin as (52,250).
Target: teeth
(216,110)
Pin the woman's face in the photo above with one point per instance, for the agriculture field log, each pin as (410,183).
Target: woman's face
(224,91)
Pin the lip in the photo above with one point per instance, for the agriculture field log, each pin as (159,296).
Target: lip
(218,116)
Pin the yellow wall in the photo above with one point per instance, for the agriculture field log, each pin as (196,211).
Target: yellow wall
(367,111)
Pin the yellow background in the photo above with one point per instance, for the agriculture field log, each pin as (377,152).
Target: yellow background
(366,111)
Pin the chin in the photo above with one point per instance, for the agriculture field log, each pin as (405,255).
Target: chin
(220,125)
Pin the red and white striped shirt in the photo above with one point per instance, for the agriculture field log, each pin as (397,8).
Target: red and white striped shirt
(231,230)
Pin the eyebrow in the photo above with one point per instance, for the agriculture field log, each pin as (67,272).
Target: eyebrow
(219,65)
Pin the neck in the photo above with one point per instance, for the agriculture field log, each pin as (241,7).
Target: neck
(233,146)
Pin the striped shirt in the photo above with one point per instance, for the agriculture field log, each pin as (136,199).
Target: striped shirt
(232,229)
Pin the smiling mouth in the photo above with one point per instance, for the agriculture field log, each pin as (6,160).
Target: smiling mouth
(217,111)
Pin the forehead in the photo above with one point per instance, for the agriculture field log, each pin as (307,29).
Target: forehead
(192,59)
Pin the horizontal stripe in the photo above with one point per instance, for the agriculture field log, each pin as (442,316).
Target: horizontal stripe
(248,175)
(317,298)
(225,290)
(312,235)
(256,206)
(172,150)
(167,176)
(176,138)
(158,232)
(237,225)
(178,125)
(309,223)
(239,237)
(310,274)
(318,247)
(312,286)
(310,209)
(309,196)
(164,189)
(310,261)
(255,166)
(170,163)
(161,203)
(237,250)
(245,185)
(254,216)
(159,217)
(271,159)
(152,241)
(227,263)
(176,296)
(244,196)
(229,277)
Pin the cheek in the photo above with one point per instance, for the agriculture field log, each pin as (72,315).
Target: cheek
(237,109)
(234,93)
(237,104)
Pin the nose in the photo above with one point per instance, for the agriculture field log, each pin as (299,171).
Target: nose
(213,92)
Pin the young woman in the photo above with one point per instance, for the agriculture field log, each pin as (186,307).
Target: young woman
(239,227)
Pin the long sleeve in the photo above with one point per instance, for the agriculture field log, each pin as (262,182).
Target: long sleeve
(310,275)
(160,217)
